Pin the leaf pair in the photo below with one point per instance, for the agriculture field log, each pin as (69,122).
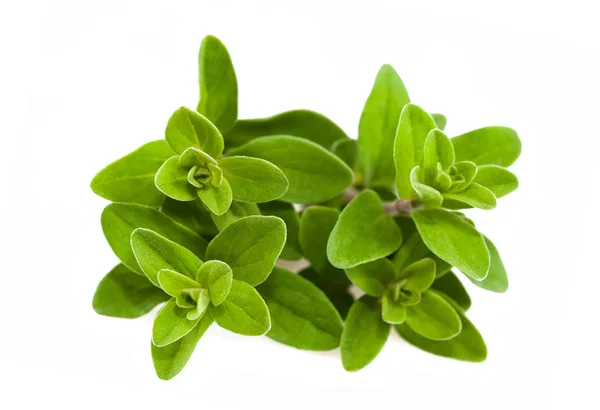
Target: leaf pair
(198,171)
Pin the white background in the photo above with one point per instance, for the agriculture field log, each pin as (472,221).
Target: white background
(84,82)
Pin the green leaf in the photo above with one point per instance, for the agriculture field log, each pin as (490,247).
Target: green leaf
(489,145)
(364,334)
(346,150)
(377,127)
(243,312)
(218,84)
(428,196)
(131,178)
(250,246)
(217,276)
(419,275)
(413,250)
(438,150)
(187,128)
(316,225)
(467,346)
(363,233)
(454,240)
(302,316)
(496,280)
(440,120)
(451,286)
(314,174)
(124,293)
(217,199)
(409,144)
(392,311)
(497,179)
(174,283)
(192,215)
(154,253)
(172,180)
(305,124)
(253,179)
(475,195)
(334,284)
(236,211)
(120,220)
(291,249)
(171,324)
(372,277)
(433,317)
(194,156)
(171,359)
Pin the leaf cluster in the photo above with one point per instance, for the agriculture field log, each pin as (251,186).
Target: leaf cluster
(200,219)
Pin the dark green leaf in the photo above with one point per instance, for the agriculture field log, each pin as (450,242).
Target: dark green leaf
(120,220)
(218,84)
(316,225)
(314,174)
(124,293)
(291,249)
(334,284)
(451,286)
(171,359)
(346,150)
(131,178)
(299,123)
(454,240)
(364,334)
(377,127)
(489,145)
(301,314)
(372,277)
(250,246)
(363,233)
(412,250)
(243,312)
(192,215)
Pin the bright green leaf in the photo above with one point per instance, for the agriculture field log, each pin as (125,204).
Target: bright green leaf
(302,316)
(236,211)
(428,196)
(120,220)
(187,128)
(440,120)
(413,250)
(419,275)
(250,246)
(497,179)
(171,324)
(217,199)
(454,240)
(194,156)
(412,132)
(363,233)
(305,124)
(496,280)
(243,312)
(218,84)
(489,145)
(131,178)
(291,249)
(438,150)
(364,334)
(171,359)
(372,277)
(154,253)
(433,317)
(253,179)
(346,150)
(316,225)
(467,346)
(475,195)
(174,282)
(377,127)
(334,284)
(451,286)
(124,293)
(217,276)
(172,180)
(392,311)
(314,174)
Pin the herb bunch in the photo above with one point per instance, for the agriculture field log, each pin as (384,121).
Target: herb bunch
(199,220)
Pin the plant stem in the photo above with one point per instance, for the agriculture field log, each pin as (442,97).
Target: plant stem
(398,207)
